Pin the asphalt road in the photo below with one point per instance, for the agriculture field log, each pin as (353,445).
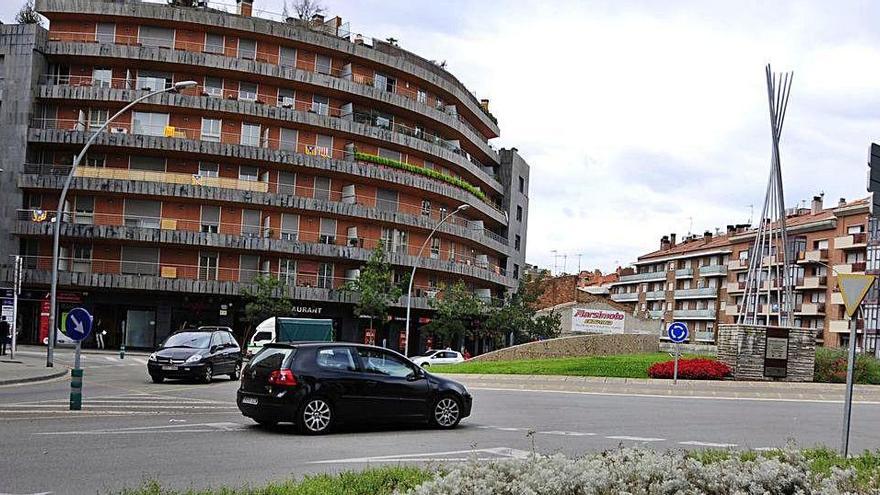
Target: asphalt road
(191,435)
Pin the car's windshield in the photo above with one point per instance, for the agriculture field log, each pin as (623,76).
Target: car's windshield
(196,340)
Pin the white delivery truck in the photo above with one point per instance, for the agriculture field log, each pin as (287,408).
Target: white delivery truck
(284,329)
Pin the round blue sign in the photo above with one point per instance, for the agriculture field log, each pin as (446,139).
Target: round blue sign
(677,332)
(78,324)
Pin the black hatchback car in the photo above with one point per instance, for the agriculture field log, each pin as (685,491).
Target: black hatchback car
(317,385)
(196,354)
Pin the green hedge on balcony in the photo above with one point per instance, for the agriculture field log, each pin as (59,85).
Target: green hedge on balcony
(381,160)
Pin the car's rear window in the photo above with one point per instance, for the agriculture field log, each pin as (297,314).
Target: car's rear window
(271,357)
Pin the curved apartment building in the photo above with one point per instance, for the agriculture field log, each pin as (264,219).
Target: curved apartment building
(301,148)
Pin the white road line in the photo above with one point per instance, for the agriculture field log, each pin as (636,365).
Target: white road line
(765,449)
(660,396)
(140,360)
(500,452)
(111,359)
(510,429)
(87,405)
(636,439)
(708,444)
(204,427)
(567,433)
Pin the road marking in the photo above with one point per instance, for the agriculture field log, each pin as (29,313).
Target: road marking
(636,439)
(708,444)
(186,428)
(498,453)
(87,405)
(140,360)
(660,396)
(510,429)
(567,433)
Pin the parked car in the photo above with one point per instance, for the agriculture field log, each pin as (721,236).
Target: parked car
(316,385)
(197,354)
(441,356)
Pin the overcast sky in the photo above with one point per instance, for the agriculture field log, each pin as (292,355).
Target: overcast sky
(641,118)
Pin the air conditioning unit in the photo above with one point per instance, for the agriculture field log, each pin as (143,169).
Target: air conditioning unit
(118,130)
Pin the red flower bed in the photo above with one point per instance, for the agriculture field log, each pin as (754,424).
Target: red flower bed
(690,369)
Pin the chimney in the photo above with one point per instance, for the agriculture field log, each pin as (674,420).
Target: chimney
(731,229)
(672,239)
(318,19)
(816,205)
(245,7)
(707,236)
(841,203)
(484,104)
(664,243)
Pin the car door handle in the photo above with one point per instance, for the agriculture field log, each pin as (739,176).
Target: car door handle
(371,383)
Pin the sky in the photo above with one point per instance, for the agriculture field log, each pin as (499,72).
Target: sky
(643,118)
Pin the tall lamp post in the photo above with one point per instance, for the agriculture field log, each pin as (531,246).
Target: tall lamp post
(412,275)
(58,216)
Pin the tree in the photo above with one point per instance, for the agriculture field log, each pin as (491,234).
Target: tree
(456,312)
(375,287)
(27,14)
(264,299)
(306,9)
(518,314)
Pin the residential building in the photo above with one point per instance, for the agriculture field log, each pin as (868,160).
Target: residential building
(701,280)
(300,149)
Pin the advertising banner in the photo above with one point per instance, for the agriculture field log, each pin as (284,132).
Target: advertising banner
(597,320)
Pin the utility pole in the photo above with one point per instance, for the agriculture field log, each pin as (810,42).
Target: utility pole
(579,263)
(555,262)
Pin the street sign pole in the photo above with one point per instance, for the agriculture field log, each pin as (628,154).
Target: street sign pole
(847,402)
(16,289)
(675,370)
(677,333)
(122,347)
(78,325)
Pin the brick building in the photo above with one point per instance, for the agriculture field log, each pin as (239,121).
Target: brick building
(701,280)
(300,149)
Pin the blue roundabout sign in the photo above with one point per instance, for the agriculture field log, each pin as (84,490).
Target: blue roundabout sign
(677,332)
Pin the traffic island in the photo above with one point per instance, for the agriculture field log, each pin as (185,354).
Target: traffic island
(755,352)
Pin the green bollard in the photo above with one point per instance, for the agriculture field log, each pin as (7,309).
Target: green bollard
(122,351)
(76,389)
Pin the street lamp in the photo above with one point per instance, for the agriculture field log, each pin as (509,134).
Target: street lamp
(58,215)
(412,275)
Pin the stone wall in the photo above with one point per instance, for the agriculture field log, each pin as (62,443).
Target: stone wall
(580,345)
(743,348)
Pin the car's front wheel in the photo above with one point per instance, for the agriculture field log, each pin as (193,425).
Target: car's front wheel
(157,378)
(207,374)
(315,416)
(236,373)
(446,412)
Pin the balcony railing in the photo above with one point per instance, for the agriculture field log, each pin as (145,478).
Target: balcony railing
(696,293)
(859,267)
(694,313)
(810,308)
(851,241)
(655,314)
(684,273)
(644,276)
(713,270)
(815,255)
(655,295)
(625,297)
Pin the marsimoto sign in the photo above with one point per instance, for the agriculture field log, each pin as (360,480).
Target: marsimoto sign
(597,320)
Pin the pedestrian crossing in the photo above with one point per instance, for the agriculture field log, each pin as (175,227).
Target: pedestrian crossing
(133,404)
(88,360)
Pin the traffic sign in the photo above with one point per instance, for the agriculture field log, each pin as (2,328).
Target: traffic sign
(677,332)
(853,288)
(79,324)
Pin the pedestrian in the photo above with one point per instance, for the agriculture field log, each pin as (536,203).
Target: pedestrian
(99,334)
(4,335)
(466,355)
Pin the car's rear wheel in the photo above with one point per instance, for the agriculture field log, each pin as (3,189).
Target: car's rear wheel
(236,373)
(157,378)
(426,365)
(315,416)
(207,374)
(446,412)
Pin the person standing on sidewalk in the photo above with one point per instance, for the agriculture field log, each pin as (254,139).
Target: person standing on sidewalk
(4,335)
(99,334)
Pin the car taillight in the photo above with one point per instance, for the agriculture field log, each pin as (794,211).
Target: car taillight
(283,378)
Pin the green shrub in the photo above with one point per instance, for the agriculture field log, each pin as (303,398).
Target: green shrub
(831,367)
(388,162)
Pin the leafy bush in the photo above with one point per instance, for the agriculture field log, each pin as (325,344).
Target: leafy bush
(648,472)
(690,369)
(831,367)
(388,162)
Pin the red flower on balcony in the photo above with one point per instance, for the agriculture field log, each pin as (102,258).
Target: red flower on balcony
(691,369)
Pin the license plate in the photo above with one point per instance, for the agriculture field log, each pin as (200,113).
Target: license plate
(249,400)
(169,367)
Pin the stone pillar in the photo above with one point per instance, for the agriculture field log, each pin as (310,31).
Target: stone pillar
(768,353)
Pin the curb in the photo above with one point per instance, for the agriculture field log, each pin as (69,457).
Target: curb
(32,379)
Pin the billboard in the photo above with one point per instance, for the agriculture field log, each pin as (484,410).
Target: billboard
(597,320)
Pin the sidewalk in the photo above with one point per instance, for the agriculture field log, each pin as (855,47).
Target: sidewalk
(28,368)
(706,389)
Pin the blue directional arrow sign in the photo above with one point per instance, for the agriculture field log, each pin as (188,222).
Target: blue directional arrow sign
(677,332)
(79,324)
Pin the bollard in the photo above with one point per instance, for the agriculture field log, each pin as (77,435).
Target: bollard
(76,389)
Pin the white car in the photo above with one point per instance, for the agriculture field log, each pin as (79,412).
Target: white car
(438,357)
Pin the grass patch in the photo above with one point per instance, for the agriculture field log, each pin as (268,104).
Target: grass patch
(377,481)
(620,366)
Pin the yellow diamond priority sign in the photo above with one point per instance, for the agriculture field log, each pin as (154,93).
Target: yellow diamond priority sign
(853,288)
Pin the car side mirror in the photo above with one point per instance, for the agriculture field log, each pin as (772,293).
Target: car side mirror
(214,348)
(417,374)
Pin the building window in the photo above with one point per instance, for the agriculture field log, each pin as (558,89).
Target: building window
(250,223)
(140,260)
(97,118)
(325,276)
(209,169)
(320,105)
(323,64)
(211,130)
(286,183)
(287,271)
(208,266)
(150,163)
(214,86)
(386,200)
(250,134)
(287,57)
(148,123)
(289,226)
(247,91)
(102,78)
(288,139)
(422,97)
(151,80)
(96,160)
(156,36)
(384,83)
(142,213)
(214,43)
(105,32)
(426,208)
(522,185)
(84,210)
(322,188)
(519,213)
(393,155)
(210,219)
(247,49)
(327,233)
(82,258)
(516,242)
(249,268)
(324,145)
(248,173)
(435,248)
(286,98)
(515,270)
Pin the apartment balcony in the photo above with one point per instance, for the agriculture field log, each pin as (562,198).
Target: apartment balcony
(858,267)
(734,287)
(732,309)
(694,314)
(810,309)
(655,314)
(171,178)
(737,265)
(836,297)
(813,282)
(696,293)
(684,273)
(625,297)
(852,241)
(655,295)
(643,277)
(704,336)
(814,256)
(843,326)
(713,271)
